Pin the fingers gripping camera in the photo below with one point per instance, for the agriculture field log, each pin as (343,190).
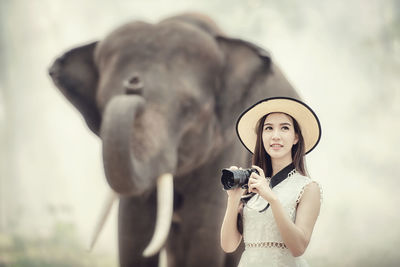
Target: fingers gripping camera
(232,179)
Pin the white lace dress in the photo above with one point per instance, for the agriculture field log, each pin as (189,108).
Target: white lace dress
(263,242)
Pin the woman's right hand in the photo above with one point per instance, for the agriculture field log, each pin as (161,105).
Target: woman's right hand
(235,194)
(230,236)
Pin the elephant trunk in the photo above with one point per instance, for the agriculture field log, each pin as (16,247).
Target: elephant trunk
(116,133)
(135,153)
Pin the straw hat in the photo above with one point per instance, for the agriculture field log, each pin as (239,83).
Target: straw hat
(303,114)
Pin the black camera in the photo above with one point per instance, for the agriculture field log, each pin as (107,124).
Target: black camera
(232,179)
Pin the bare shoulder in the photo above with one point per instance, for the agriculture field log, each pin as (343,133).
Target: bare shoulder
(313,186)
(311,193)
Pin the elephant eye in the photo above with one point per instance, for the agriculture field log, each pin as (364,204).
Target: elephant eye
(134,80)
(133,85)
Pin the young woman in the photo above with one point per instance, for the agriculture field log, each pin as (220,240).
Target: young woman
(280,212)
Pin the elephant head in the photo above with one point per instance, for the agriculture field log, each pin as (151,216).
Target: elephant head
(164,97)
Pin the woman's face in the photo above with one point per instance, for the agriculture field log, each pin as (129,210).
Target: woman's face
(279,137)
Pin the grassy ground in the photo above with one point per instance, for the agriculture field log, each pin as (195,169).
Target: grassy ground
(62,248)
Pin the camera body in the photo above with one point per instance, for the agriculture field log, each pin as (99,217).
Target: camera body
(232,179)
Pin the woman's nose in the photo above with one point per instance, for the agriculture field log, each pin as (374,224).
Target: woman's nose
(275,135)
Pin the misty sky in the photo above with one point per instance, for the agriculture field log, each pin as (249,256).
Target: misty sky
(343,57)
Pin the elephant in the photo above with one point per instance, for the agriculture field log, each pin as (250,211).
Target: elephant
(164,98)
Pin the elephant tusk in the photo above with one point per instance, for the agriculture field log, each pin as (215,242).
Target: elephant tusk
(112,196)
(165,198)
(162,258)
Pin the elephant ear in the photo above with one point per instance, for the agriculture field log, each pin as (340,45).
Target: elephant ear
(249,75)
(75,74)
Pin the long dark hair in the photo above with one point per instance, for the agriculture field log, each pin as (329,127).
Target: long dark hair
(263,160)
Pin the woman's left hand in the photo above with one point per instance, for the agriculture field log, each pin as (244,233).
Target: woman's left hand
(260,185)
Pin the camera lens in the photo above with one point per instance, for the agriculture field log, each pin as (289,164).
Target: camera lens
(227,179)
(232,179)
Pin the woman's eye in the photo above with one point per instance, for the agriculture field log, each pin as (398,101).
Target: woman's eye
(268,128)
(285,128)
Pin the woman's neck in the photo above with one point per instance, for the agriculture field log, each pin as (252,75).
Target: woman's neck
(278,165)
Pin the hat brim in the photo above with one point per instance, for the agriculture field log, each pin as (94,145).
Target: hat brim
(303,114)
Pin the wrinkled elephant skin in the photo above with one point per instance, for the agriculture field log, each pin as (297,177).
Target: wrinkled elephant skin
(164,98)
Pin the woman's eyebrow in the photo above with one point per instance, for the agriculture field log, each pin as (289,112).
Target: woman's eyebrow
(283,123)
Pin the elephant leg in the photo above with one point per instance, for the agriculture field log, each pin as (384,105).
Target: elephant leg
(136,223)
(194,246)
(195,236)
(196,239)
(209,255)
(232,259)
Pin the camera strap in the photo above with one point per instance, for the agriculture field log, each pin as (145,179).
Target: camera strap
(278,178)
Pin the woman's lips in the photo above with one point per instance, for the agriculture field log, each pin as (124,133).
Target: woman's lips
(276,146)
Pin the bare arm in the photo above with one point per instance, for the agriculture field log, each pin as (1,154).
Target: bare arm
(297,235)
(230,236)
